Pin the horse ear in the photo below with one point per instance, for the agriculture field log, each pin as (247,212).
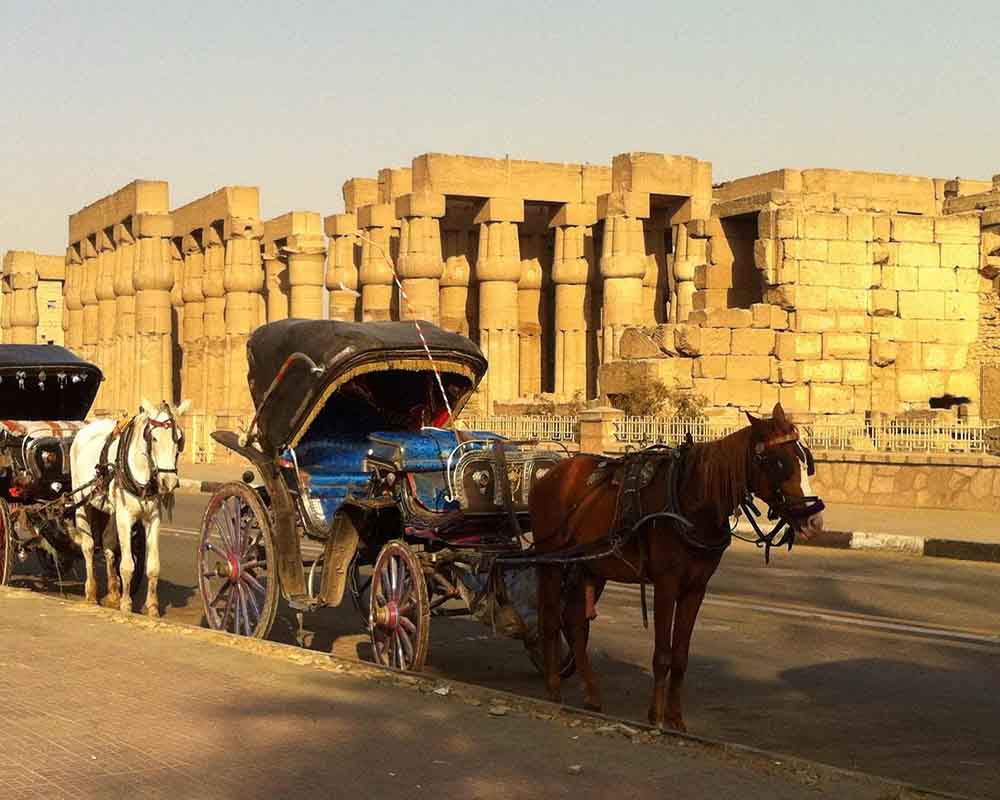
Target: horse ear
(778,415)
(145,406)
(183,407)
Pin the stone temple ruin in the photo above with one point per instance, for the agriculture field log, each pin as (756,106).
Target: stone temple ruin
(842,294)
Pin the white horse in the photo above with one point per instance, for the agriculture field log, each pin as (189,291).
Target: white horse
(139,486)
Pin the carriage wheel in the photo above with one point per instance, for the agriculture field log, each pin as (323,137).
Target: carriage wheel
(400,617)
(237,570)
(6,545)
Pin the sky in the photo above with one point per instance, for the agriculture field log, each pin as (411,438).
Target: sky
(297,97)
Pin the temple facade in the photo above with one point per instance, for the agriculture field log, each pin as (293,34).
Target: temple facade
(840,293)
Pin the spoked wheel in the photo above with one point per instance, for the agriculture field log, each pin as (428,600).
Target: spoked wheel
(237,570)
(6,545)
(400,616)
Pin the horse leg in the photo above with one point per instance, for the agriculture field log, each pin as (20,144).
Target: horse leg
(87,545)
(550,623)
(687,612)
(123,521)
(114,596)
(152,563)
(576,623)
(664,598)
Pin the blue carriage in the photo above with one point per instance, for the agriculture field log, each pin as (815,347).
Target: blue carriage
(354,443)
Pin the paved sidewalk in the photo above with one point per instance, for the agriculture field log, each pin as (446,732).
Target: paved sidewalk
(97,705)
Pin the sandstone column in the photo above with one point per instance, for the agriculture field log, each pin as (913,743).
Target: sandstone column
(531,311)
(20,277)
(306,253)
(623,265)
(275,282)
(498,270)
(421,261)
(127,400)
(243,281)
(572,271)
(376,274)
(683,266)
(91,328)
(177,354)
(73,300)
(457,249)
(153,280)
(105,403)
(193,335)
(342,266)
(214,287)
(654,289)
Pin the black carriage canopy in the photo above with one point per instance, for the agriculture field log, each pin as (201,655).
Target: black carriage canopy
(45,382)
(370,376)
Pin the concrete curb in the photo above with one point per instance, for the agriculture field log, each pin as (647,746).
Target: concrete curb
(809,773)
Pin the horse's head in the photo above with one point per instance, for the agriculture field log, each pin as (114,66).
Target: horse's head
(164,439)
(781,465)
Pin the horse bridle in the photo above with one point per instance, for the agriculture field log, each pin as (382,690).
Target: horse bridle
(780,509)
(176,434)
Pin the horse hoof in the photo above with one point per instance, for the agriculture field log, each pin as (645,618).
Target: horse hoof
(125,607)
(112,601)
(674,724)
(153,612)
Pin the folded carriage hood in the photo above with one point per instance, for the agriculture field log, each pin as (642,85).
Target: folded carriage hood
(341,350)
(45,382)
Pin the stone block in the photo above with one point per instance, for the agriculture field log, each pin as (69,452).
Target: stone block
(860,227)
(881,228)
(919,387)
(787,372)
(377,216)
(424,204)
(340,224)
(862,399)
(743,367)
(957,229)
(767,253)
(967,280)
(858,276)
(830,398)
(824,226)
(740,393)
(854,322)
(856,373)
(958,331)
(965,256)
(752,341)
(782,296)
(787,223)
(794,399)
(623,204)
(581,215)
(963,384)
(845,345)
(818,273)
(812,321)
(900,278)
(812,297)
(798,346)
(948,357)
(500,209)
(724,318)
(710,367)
(621,376)
(706,387)
(960,306)
(882,302)
(937,280)
(840,299)
(768,397)
(925,305)
(908,355)
(153,225)
(884,352)
(919,254)
(882,252)
(708,276)
(786,272)
(721,298)
(806,249)
(822,371)
(848,252)
(912,229)
(716,341)
(687,339)
(637,343)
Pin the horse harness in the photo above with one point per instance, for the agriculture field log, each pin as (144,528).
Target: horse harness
(121,472)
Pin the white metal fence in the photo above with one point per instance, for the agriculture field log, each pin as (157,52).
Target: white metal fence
(917,436)
(547,429)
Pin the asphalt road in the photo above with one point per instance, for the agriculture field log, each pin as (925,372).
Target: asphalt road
(886,664)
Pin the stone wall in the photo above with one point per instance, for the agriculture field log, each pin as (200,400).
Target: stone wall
(910,480)
(32,304)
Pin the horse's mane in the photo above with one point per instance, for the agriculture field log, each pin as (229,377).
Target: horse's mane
(717,474)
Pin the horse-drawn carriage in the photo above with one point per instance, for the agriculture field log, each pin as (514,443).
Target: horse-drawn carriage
(45,394)
(349,442)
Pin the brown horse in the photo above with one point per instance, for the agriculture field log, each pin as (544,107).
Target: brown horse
(574,508)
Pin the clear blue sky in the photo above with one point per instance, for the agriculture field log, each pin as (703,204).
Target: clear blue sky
(296,97)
